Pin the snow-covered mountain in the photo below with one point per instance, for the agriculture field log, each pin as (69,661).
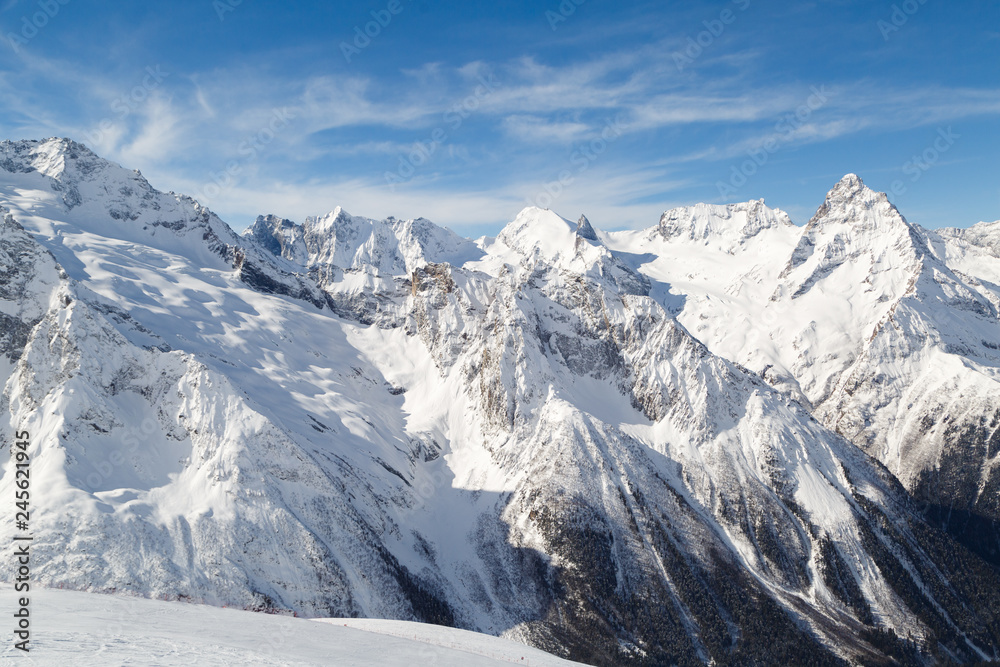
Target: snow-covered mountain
(888,332)
(551,436)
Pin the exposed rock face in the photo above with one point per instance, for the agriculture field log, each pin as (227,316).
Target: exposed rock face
(359,417)
(584,229)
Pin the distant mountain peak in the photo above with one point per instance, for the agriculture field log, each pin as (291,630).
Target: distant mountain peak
(58,158)
(985,235)
(337,217)
(103,197)
(339,239)
(279,236)
(853,202)
(855,225)
(539,229)
(271,221)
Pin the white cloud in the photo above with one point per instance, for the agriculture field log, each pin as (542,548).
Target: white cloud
(159,133)
(541,130)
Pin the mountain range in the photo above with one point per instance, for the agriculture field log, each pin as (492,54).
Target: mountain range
(724,439)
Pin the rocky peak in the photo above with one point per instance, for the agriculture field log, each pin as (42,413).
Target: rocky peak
(860,227)
(852,202)
(103,197)
(48,156)
(279,236)
(269,224)
(339,239)
(331,220)
(584,230)
(850,183)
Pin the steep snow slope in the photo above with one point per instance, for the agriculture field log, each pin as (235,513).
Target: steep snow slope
(334,419)
(80,629)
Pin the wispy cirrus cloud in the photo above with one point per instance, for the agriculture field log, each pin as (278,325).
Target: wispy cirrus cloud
(354,127)
(543,130)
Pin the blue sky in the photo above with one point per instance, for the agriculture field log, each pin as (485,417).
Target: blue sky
(465,113)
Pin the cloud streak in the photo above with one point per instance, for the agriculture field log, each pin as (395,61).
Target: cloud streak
(347,129)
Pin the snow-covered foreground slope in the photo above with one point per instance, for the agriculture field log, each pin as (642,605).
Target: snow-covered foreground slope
(359,418)
(71,628)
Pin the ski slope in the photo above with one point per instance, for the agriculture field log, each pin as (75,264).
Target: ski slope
(73,628)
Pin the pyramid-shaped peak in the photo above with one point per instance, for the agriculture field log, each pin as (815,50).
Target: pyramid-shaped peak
(338,213)
(851,201)
(584,229)
(853,225)
(338,217)
(533,217)
(851,186)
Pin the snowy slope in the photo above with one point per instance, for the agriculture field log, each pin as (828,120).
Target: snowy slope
(379,419)
(80,629)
